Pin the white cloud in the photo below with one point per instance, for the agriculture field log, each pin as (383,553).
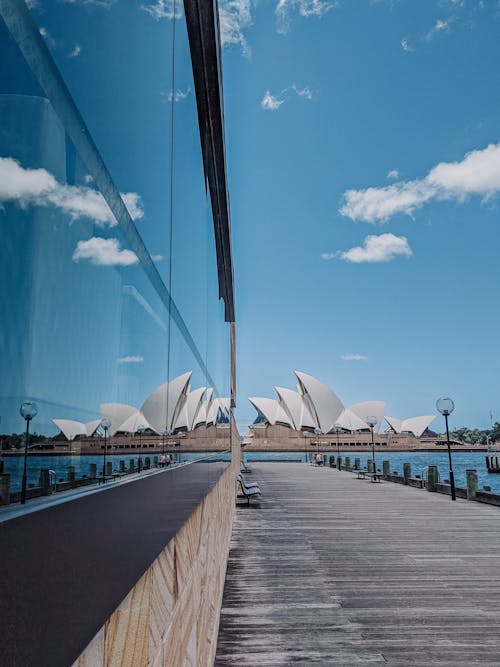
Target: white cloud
(48,37)
(405,45)
(327,256)
(75,51)
(235,17)
(354,357)
(270,102)
(179,95)
(383,248)
(130,360)
(393,173)
(477,174)
(104,252)
(305,8)
(439,27)
(306,92)
(38,187)
(164,9)
(96,3)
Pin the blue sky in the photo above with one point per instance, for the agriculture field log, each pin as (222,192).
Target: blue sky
(363,148)
(348,240)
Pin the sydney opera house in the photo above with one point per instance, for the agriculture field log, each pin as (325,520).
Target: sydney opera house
(172,411)
(314,414)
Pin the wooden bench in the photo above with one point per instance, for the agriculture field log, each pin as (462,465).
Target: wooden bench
(364,474)
(248,490)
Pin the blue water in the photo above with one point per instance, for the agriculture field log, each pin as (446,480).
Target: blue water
(462,461)
(14,465)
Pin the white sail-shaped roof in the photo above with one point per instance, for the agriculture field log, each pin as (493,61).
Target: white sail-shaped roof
(415,425)
(350,421)
(326,406)
(91,427)
(212,411)
(282,417)
(292,403)
(296,409)
(370,408)
(190,408)
(268,407)
(162,406)
(201,415)
(132,423)
(394,423)
(70,428)
(117,413)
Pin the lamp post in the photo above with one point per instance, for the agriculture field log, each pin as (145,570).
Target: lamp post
(28,411)
(317,431)
(304,433)
(372,421)
(105,425)
(140,431)
(446,406)
(337,428)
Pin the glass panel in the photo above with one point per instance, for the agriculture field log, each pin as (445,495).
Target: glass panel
(106,229)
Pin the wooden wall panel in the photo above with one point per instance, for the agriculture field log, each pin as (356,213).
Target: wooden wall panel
(171,616)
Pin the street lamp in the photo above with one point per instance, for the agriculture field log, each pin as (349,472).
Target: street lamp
(28,411)
(105,425)
(446,406)
(140,430)
(372,421)
(317,431)
(338,429)
(304,433)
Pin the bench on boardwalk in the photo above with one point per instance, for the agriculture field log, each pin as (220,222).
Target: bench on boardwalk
(249,490)
(373,476)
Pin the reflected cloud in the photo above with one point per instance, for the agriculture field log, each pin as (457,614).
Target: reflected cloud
(164,9)
(75,52)
(104,252)
(130,360)
(38,187)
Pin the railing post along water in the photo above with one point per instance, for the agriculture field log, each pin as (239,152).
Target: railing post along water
(471,484)
(339,462)
(45,482)
(370,466)
(406,472)
(432,478)
(4,489)
(386,468)
(357,463)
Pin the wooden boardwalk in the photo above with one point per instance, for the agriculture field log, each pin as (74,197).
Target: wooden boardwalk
(331,570)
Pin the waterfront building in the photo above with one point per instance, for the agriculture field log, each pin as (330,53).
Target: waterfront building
(314,414)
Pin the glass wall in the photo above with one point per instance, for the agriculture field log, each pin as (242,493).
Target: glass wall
(110,317)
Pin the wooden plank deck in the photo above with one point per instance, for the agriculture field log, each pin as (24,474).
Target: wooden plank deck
(331,570)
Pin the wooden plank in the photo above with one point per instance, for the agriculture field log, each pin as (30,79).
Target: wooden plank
(333,570)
